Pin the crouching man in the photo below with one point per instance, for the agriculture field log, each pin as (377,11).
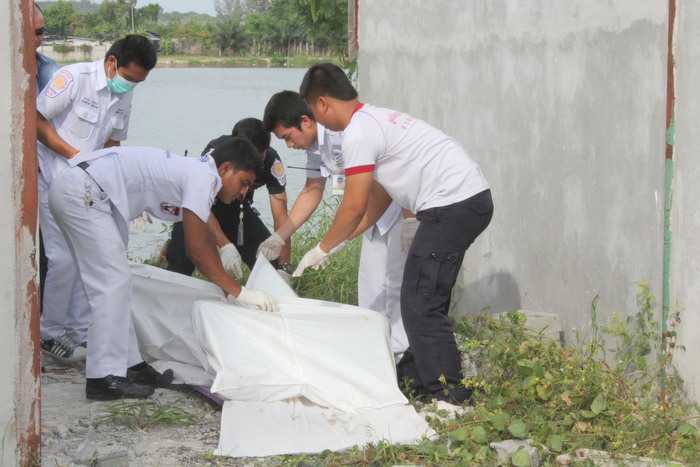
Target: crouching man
(93,202)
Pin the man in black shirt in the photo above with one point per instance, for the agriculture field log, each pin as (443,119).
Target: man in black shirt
(239,222)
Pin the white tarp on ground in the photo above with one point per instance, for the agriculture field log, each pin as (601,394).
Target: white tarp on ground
(161,305)
(161,308)
(315,376)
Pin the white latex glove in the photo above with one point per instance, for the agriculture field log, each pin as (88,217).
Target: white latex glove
(256,298)
(316,258)
(231,260)
(409,226)
(271,248)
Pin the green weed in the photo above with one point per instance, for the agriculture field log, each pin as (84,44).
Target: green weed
(528,387)
(337,282)
(145,414)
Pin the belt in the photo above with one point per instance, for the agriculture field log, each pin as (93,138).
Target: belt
(84,165)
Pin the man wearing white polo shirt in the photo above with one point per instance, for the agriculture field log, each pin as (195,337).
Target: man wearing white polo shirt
(388,156)
(85,106)
(381,260)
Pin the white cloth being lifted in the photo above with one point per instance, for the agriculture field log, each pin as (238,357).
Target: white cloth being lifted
(296,380)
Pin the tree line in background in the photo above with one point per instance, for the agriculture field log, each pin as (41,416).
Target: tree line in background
(255,27)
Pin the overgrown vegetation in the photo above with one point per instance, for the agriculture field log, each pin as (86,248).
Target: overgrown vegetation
(144,414)
(267,28)
(337,282)
(529,387)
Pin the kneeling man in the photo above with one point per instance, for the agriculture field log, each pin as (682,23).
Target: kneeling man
(93,202)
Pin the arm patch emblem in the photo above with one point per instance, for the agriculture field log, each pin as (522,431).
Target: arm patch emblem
(60,82)
(277,171)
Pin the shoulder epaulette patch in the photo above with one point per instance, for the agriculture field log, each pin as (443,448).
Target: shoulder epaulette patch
(60,82)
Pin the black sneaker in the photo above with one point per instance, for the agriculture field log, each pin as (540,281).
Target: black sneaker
(143,373)
(59,347)
(115,387)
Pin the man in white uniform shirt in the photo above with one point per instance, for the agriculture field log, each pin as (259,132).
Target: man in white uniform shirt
(381,261)
(86,106)
(93,202)
(388,156)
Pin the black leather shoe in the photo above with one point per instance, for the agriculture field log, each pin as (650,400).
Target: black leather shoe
(115,387)
(143,373)
(456,395)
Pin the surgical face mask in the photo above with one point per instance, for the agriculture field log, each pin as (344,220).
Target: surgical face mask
(120,85)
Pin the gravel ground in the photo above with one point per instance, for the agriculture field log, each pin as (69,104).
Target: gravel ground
(76,432)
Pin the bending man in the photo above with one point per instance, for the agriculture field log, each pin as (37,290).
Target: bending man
(391,155)
(381,260)
(237,226)
(93,202)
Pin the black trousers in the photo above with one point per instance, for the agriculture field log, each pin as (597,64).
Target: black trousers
(43,267)
(254,233)
(431,270)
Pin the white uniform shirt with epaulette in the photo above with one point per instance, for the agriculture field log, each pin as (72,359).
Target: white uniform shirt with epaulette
(152,180)
(84,112)
(326,157)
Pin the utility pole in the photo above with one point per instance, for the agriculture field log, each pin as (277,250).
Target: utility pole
(133,4)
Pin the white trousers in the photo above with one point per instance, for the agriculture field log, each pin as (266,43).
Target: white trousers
(65,305)
(379,280)
(87,218)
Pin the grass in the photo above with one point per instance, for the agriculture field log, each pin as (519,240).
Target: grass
(144,414)
(337,282)
(562,398)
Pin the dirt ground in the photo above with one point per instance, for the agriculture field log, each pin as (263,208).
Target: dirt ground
(76,431)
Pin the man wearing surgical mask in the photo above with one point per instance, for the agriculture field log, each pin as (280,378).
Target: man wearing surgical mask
(85,107)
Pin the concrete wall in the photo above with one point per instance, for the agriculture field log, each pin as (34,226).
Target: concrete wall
(685,273)
(7,344)
(563,104)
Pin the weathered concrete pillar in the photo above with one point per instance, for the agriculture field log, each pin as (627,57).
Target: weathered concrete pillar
(19,327)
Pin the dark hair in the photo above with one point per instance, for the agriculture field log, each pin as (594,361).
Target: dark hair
(326,79)
(238,151)
(133,49)
(285,108)
(253,130)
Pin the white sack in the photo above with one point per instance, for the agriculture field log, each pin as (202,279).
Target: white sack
(264,277)
(335,355)
(161,309)
(255,429)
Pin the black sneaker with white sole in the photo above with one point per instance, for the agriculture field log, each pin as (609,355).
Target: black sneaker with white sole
(58,347)
(115,387)
(143,373)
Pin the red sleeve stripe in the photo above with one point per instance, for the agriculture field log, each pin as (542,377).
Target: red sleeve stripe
(360,169)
